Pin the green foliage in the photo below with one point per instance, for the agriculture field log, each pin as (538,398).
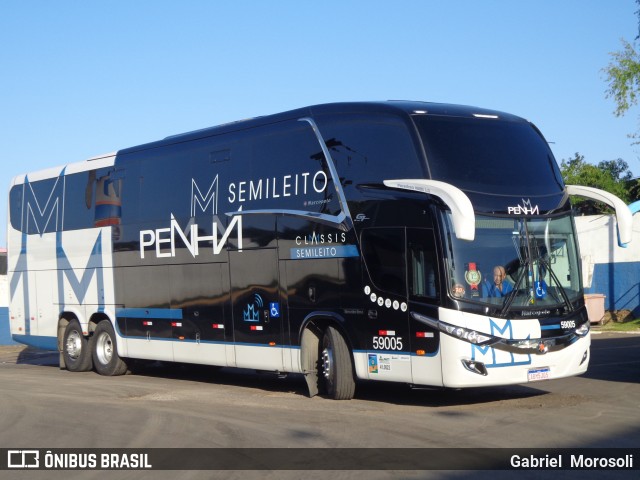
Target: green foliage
(630,326)
(623,77)
(612,176)
(633,186)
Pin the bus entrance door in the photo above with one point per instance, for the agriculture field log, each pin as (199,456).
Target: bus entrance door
(424,300)
(257,316)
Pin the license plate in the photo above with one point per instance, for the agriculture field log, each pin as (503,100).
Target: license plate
(537,374)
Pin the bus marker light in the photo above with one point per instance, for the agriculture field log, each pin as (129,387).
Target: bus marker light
(218,325)
(180,338)
(272,344)
(420,352)
(256,327)
(390,333)
(424,334)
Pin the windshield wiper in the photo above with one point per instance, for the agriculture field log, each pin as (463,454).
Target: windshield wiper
(512,295)
(563,292)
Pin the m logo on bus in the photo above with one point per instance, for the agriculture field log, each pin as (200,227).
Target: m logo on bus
(44,211)
(203,201)
(497,358)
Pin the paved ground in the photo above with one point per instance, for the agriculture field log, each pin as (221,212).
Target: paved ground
(42,406)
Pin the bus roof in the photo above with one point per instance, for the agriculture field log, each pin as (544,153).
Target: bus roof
(397,107)
(390,107)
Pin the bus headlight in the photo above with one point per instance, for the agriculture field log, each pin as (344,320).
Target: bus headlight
(470,336)
(466,334)
(583,329)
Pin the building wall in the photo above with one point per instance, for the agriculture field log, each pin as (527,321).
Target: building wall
(607,268)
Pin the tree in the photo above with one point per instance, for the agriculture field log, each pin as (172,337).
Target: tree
(612,176)
(623,77)
(633,186)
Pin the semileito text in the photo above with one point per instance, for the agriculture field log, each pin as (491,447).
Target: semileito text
(276,187)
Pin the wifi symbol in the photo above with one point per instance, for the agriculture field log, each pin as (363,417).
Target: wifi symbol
(258,300)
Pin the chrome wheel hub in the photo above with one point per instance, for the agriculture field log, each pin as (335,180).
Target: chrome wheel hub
(327,361)
(74,345)
(104,348)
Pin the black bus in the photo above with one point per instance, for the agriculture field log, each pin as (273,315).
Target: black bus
(410,242)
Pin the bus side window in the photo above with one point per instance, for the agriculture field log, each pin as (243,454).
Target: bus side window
(423,269)
(384,253)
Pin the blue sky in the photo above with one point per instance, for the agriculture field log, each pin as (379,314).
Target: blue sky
(82,78)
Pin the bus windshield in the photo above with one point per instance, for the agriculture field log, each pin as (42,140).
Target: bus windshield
(489,155)
(515,264)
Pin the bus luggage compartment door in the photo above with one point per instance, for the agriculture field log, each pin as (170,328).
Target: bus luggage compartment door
(257,315)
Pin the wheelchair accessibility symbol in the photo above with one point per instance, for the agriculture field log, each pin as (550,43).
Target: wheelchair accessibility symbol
(274,310)
(541,289)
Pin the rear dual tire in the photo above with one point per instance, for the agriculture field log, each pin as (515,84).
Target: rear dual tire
(76,348)
(105,351)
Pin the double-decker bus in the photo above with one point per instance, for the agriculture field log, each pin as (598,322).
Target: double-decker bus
(410,242)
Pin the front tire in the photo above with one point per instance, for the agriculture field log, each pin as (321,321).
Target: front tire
(75,349)
(336,366)
(105,351)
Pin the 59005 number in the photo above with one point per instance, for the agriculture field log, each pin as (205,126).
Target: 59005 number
(387,343)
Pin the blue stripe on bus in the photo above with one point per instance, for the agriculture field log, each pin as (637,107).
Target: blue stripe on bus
(210,342)
(549,327)
(322,251)
(155,313)
(37,341)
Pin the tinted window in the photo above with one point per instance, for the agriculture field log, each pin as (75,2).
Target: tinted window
(49,205)
(423,273)
(370,149)
(286,170)
(384,253)
(277,167)
(92,199)
(488,155)
(170,178)
(15,206)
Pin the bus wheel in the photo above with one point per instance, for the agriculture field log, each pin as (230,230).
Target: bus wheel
(105,352)
(337,366)
(75,349)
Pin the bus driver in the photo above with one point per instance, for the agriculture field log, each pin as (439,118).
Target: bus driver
(499,288)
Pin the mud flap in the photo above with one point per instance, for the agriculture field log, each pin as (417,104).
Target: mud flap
(310,348)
